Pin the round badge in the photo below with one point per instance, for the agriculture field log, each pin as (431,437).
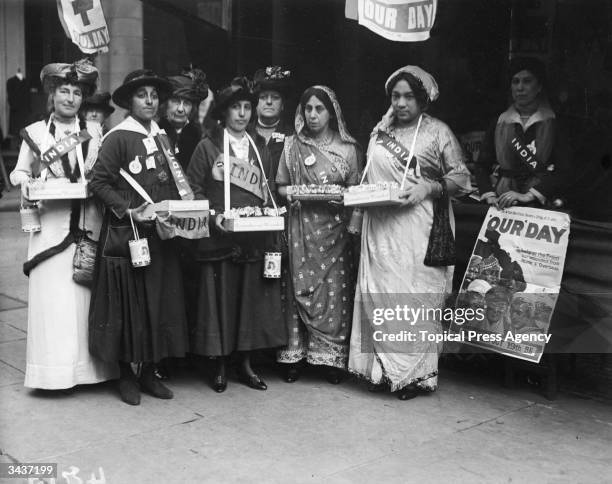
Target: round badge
(310,160)
(135,166)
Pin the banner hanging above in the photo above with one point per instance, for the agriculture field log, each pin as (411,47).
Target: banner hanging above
(84,23)
(398,20)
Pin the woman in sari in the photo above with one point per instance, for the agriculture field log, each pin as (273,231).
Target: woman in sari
(394,242)
(319,286)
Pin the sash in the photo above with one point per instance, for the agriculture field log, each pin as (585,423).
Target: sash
(184,189)
(400,152)
(51,158)
(242,174)
(524,153)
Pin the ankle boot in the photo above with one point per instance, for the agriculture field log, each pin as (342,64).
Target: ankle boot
(151,384)
(128,385)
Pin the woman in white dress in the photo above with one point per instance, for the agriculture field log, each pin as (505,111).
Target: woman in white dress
(58,150)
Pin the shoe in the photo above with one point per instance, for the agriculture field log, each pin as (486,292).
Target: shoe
(407,393)
(292,373)
(376,387)
(219,383)
(153,386)
(129,391)
(252,381)
(333,376)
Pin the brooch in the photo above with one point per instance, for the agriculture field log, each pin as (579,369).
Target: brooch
(135,167)
(310,160)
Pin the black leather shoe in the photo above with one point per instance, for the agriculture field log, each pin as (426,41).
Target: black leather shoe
(219,384)
(253,381)
(151,384)
(129,391)
(333,376)
(292,374)
(377,387)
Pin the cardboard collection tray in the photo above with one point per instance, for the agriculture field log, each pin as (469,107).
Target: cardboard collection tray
(373,198)
(177,206)
(254,224)
(57,190)
(293,190)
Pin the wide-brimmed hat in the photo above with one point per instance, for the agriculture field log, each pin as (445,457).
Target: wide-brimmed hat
(272,78)
(79,72)
(190,84)
(99,100)
(428,81)
(238,90)
(139,78)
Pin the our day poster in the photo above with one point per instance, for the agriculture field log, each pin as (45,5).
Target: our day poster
(513,280)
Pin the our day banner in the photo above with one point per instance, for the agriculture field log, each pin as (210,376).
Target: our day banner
(398,20)
(513,280)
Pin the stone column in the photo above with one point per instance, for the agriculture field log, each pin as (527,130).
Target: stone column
(124,20)
(12,50)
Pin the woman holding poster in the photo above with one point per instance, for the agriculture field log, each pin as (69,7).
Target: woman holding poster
(397,294)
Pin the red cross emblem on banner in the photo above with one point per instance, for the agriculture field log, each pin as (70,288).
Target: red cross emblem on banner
(81,7)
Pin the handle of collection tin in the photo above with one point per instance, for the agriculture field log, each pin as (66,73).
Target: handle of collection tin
(137,237)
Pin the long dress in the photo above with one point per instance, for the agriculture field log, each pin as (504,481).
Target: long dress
(57,341)
(238,309)
(391,271)
(137,314)
(319,285)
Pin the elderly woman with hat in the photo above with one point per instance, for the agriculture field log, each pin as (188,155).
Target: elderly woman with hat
(238,310)
(188,90)
(526,142)
(96,108)
(57,345)
(395,240)
(137,313)
(272,86)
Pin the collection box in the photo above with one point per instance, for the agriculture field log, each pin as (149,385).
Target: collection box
(177,206)
(316,193)
(375,197)
(254,224)
(57,190)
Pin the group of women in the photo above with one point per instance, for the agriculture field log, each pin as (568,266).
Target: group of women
(208,297)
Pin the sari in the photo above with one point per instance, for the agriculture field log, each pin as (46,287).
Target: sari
(318,286)
(392,274)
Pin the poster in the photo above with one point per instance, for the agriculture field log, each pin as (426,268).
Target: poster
(399,20)
(84,23)
(513,280)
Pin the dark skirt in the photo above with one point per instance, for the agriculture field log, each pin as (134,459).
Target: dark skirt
(237,309)
(137,314)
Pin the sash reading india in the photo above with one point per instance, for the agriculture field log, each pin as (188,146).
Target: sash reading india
(399,20)
(84,23)
(512,281)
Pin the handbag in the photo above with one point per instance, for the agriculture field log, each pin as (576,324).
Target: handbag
(84,258)
(441,245)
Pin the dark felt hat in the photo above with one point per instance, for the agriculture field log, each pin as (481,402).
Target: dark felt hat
(531,64)
(273,78)
(139,78)
(191,84)
(239,89)
(99,100)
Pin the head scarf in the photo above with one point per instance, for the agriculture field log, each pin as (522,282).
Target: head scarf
(300,122)
(429,83)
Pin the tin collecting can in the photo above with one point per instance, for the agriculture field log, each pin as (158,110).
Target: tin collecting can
(272,265)
(139,252)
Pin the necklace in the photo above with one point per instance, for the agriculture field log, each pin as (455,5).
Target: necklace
(268,126)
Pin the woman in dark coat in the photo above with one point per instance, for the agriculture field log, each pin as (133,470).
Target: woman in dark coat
(238,310)
(137,315)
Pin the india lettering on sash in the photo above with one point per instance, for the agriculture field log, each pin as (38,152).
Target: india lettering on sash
(242,174)
(182,185)
(52,157)
(402,20)
(525,153)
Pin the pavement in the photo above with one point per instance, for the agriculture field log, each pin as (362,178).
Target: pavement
(471,430)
